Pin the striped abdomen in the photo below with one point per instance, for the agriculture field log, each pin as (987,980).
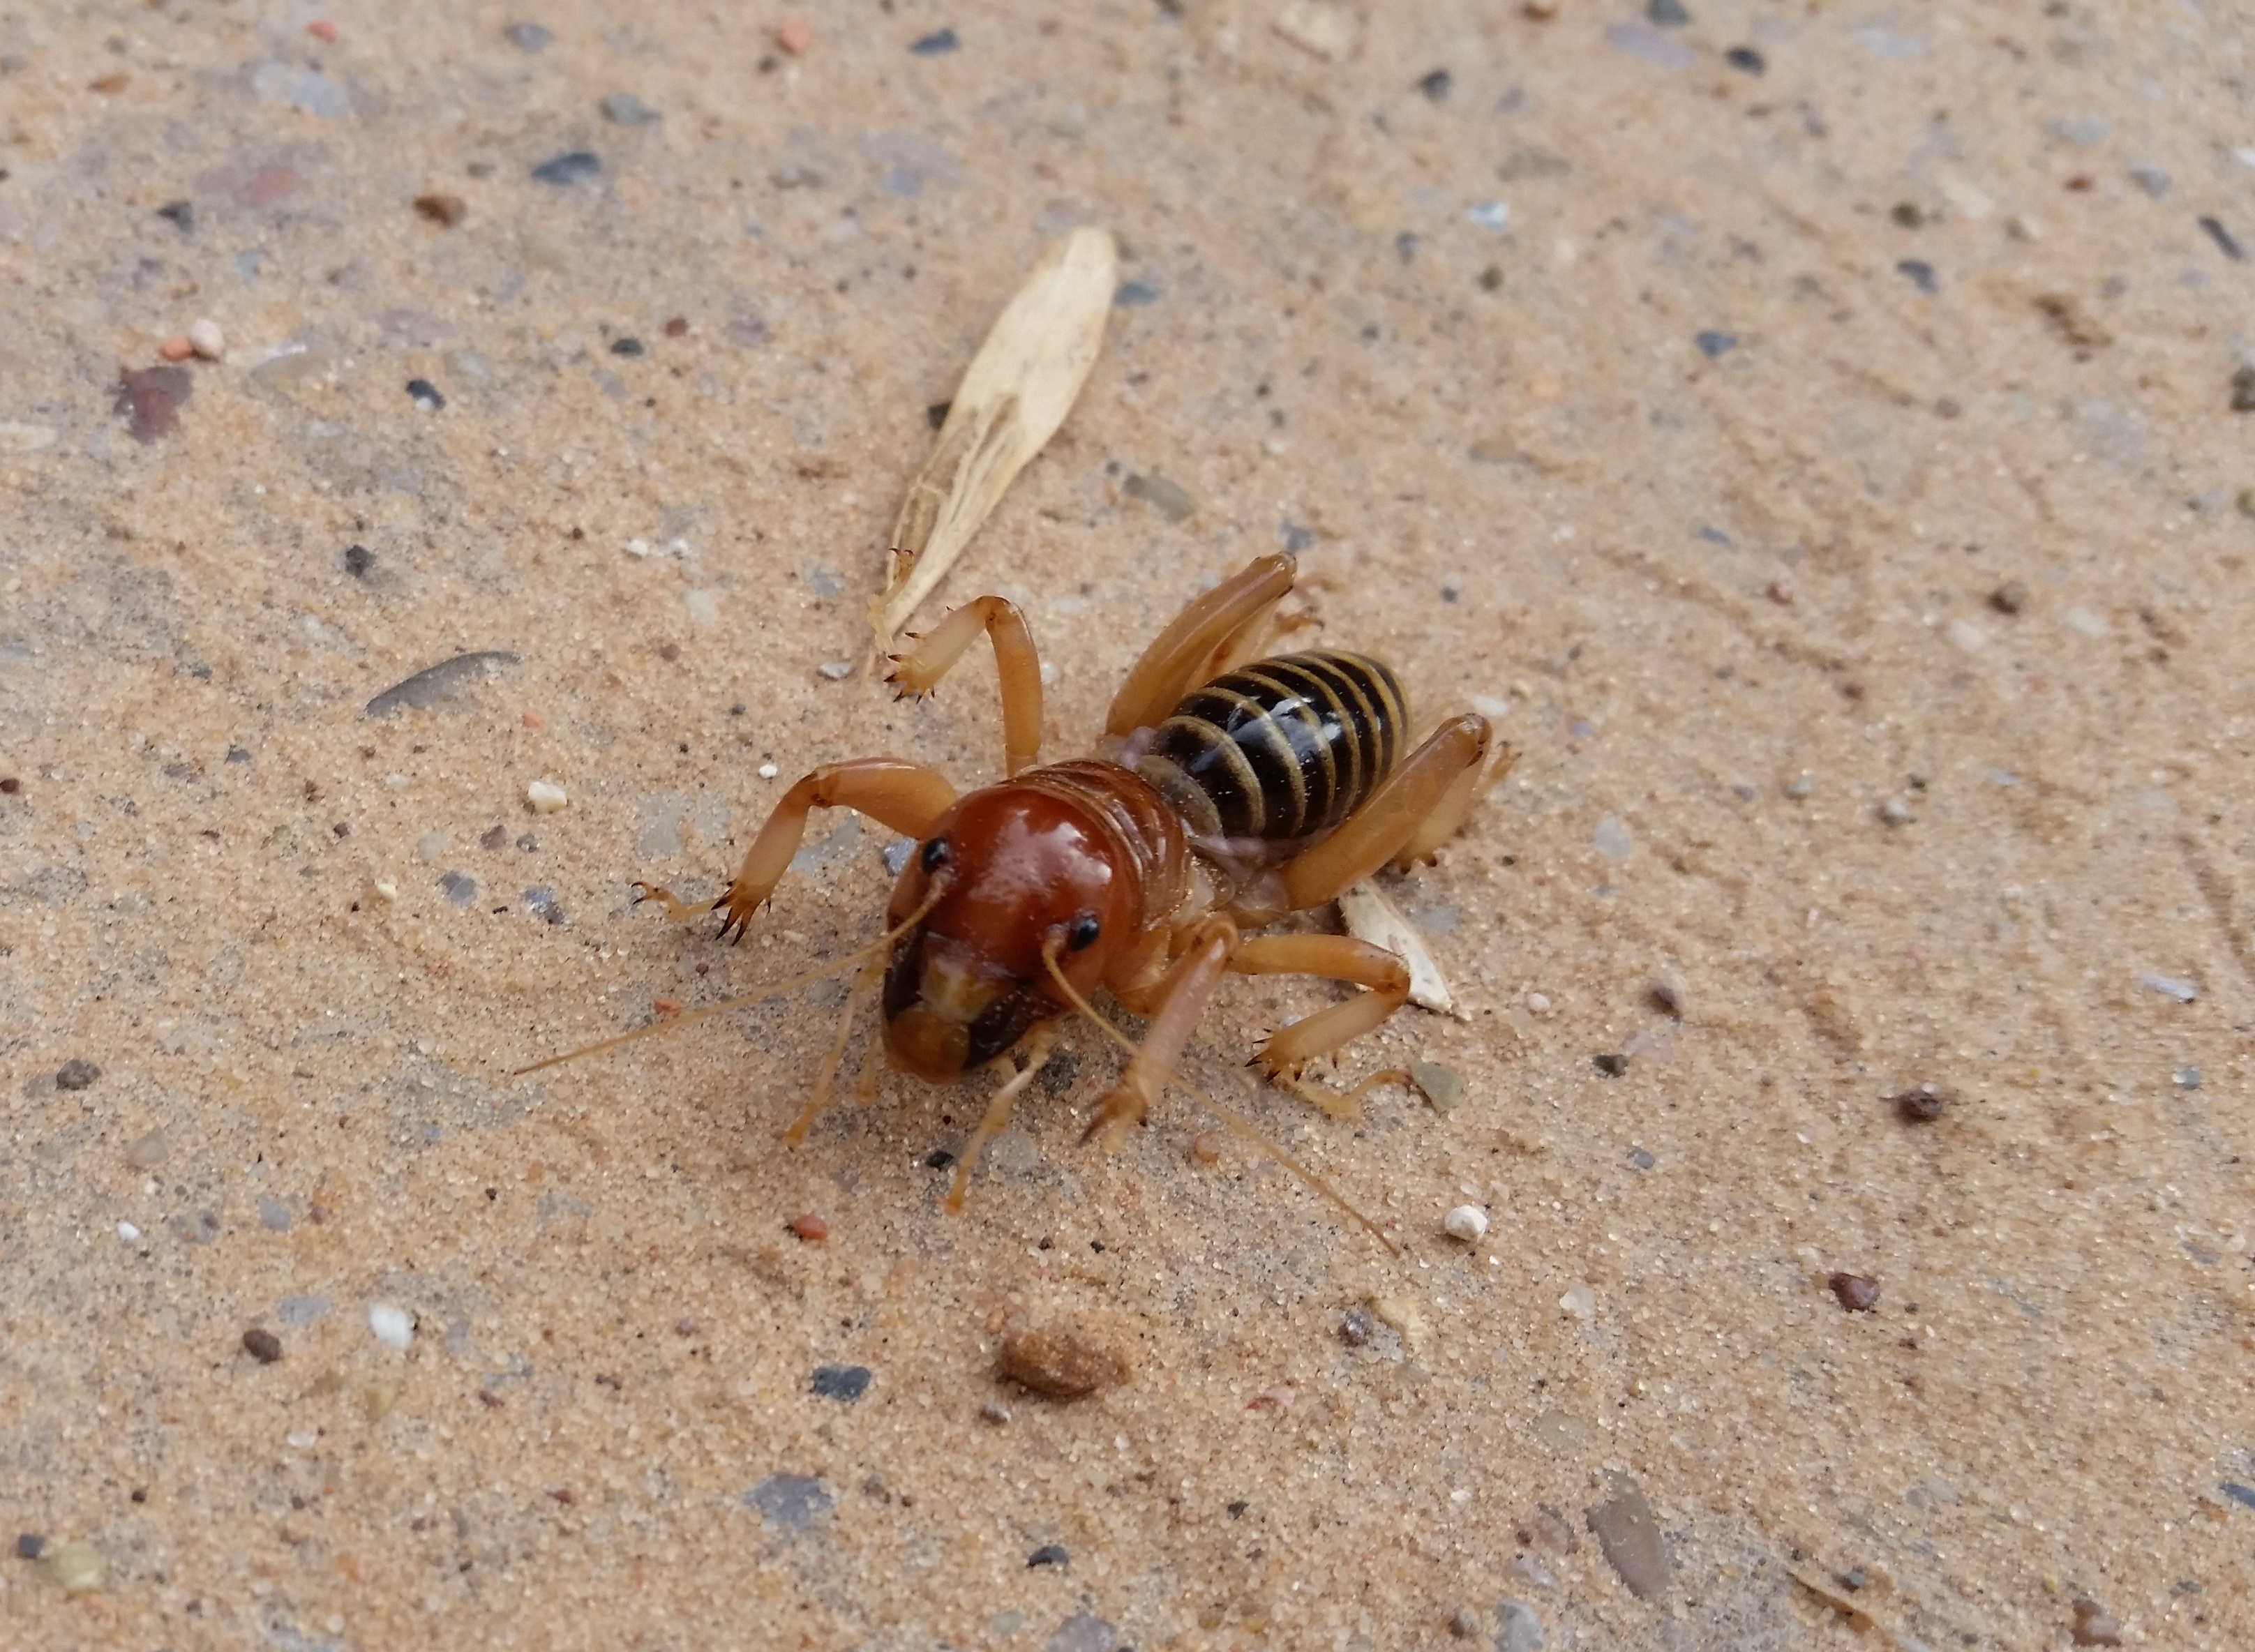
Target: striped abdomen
(1281,748)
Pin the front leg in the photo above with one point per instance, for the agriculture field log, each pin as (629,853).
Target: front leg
(1017,668)
(1177,1000)
(908,796)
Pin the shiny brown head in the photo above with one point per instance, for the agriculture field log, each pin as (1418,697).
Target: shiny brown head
(1015,868)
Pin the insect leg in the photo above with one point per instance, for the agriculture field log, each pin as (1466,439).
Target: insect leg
(907,797)
(1334,957)
(864,984)
(1182,656)
(1039,1043)
(1456,802)
(1180,999)
(1394,817)
(1016,665)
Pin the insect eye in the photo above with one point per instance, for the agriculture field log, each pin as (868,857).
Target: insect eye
(936,854)
(1082,935)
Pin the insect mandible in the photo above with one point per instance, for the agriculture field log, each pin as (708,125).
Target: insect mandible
(1227,793)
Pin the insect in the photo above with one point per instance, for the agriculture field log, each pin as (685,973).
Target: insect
(1226,792)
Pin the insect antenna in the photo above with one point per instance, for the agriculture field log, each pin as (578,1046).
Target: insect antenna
(676,1023)
(1236,1122)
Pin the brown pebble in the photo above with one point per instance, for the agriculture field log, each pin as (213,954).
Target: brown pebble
(2009,598)
(443,209)
(1630,1538)
(177,349)
(152,398)
(109,85)
(261,1345)
(1856,1294)
(810,1227)
(675,326)
(1205,1147)
(1057,1363)
(1921,1104)
(2095,1625)
(667,1009)
(11,785)
(1549,1528)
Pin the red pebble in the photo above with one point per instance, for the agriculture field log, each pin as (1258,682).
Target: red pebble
(795,35)
(667,1006)
(322,29)
(534,720)
(175,349)
(810,1227)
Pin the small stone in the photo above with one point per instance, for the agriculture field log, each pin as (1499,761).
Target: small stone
(2095,1626)
(845,1383)
(1463,1623)
(1434,86)
(1611,1063)
(1467,1222)
(446,210)
(1549,1528)
(1048,1555)
(1967,635)
(1611,838)
(1131,294)
(1896,812)
(939,43)
(2186,1077)
(261,1345)
(78,1567)
(1357,1327)
(2083,623)
(810,1227)
(424,395)
(836,671)
(394,1327)
(150,1151)
(205,339)
(571,167)
(2011,597)
(1640,1159)
(182,215)
(1491,215)
(76,1074)
(1164,496)
(1712,344)
(1745,59)
(545,797)
(1920,275)
(677,327)
(1443,1088)
(1666,14)
(152,398)
(28,1545)
(1782,590)
(1057,1363)
(1630,1538)
(528,36)
(2242,391)
(789,1500)
(1921,1104)
(795,35)
(1581,1302)
(2182,989)
(2149,178)
(1518,1628)
(175,349)
(627,347)
(624,109)
(2226,243)
(1322,27)
(129,1233)
(1856,1294)
(995,1412)
(1800,787)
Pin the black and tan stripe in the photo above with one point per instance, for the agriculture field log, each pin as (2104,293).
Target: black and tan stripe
(1281,748)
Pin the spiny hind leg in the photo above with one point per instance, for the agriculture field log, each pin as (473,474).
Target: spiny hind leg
(1178,999)
(1182,655)
(1456,803)
(1334,957)
(1039,1044)
(1430,785)
(1018,667)
(908,796)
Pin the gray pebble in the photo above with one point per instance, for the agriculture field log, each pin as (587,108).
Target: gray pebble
(1800,787)
(1164,496)
(624,109)
(299,1311)
(76,1074)
(2186,1077)
(896,856)
(570,167)
(2149,178)
(435,685)
(273,1214)
(461,888)
(1357,1327)
(1896,812)
(788,1500)
(528,36)
(1518,1628)
(836,671)
(1611,838)
(1630,1538)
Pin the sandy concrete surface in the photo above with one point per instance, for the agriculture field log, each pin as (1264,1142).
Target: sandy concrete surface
(1812,427)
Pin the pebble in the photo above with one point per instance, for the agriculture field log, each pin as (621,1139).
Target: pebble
(2242,391)
(2181,989)
(424,395)
(1919,274)
(1640,1159)
(1166,497)
(1463,1623)
(2009,598)
(896,853)
(1467,1222)
(1712,343)
(836,671)
(273,1215)
(627,347)
(175,349)
(1967,635)
(789,1500)
(2226,243)
(448,210)
(528,36)
(2095,1626)
(129,1233)
(545,797)
(1642,41)
(1518,1627)
(76,1074)
(182,215)
(795,35)
(29,1544)
(436,683)
(394,1327)
(77,1566)
(1581,1302)
(261,1345)
(1745,60)
(1921,1104)
(1856,1294)
(1436,85)
(207,340)
(810,1227)
(939,43)
(2083,623)
(571,167)
(1493,215)
(845,1383)
(1896,812)
(1443,1088)
(2149,178)
(1800,787)
(1048,1555)
(1610,1064)
(1357,1327)
(1132,294)
(1630,1538)
(2186,1077)
(1611,838)
(461,888)
(149,1150)
(624,109)
(1057,1363)
(1319,26)
(995,1412)
(152,398)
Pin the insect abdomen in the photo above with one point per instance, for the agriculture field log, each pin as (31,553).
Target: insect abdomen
(1279,749)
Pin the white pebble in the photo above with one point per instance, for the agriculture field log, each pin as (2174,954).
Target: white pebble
(129,1233)
(836,669)
(1539,1003)
(394,1327)
(387,889)
(546,796)
(207,340)
(301,1440)
(2084,622)
(1467,1222)
(1967,635)
(769,771)
(637,547)
(1581,1302)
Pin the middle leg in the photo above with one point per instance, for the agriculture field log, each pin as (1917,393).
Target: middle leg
(1334,957)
